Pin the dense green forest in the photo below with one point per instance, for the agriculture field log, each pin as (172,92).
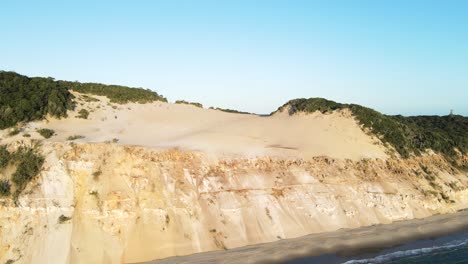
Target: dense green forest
(408,135)
(24,99)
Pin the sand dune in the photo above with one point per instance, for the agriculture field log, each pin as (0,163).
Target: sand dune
(164,125)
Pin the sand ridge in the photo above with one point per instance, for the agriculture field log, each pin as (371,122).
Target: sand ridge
(165,125)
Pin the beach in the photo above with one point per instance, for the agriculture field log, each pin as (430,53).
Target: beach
(330,247)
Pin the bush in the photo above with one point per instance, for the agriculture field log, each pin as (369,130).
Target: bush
(75,137)
(4,188)
(96,175)
(29,165)
(62,219)
(189,103)
(14,132)
(83,113)
(5,157)
(45,132)
(230,111)
(88,99)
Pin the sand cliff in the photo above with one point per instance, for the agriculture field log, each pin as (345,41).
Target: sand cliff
(182,180)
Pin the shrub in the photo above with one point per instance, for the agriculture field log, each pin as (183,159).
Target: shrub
(94,193)
(29,165)
(168,219)
(26,135)
(62,219)
(88,99)
(96,175)
(83,113)
(230,111)
(75,137)
(14,132)
(4,188)
(45,132)
(5,157)
(189,103)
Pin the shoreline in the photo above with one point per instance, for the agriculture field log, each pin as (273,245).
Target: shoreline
(343,242)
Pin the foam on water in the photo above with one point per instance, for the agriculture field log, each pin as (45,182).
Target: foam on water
(411,252)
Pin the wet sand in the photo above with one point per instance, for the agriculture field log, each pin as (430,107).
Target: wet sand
(344,242)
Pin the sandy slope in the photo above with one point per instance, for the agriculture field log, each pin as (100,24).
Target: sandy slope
(188,127)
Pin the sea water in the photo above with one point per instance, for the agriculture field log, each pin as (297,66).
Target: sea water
(451,249)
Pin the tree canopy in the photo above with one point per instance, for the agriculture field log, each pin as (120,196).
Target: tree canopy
(25,99)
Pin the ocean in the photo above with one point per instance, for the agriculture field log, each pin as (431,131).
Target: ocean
(450,249)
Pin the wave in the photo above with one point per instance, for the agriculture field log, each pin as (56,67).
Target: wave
(409,253)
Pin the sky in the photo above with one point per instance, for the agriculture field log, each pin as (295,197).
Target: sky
(398,57)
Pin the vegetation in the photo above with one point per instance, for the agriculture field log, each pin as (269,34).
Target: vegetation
(230,111)
(62,219)
(94,193)
(5,157)
(189,103)
(88,99)
(29,165)
(24,99)
(45,132)
(115,93)
(408,135)
(168,219)
(96,175)
(15,131)
(83,113)
(75,137)
(4,188)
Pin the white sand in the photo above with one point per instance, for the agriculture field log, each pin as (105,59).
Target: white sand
(211,131)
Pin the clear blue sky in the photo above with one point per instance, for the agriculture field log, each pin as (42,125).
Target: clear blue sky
(408,57)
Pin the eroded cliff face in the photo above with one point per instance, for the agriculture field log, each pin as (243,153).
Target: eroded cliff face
(107,203)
